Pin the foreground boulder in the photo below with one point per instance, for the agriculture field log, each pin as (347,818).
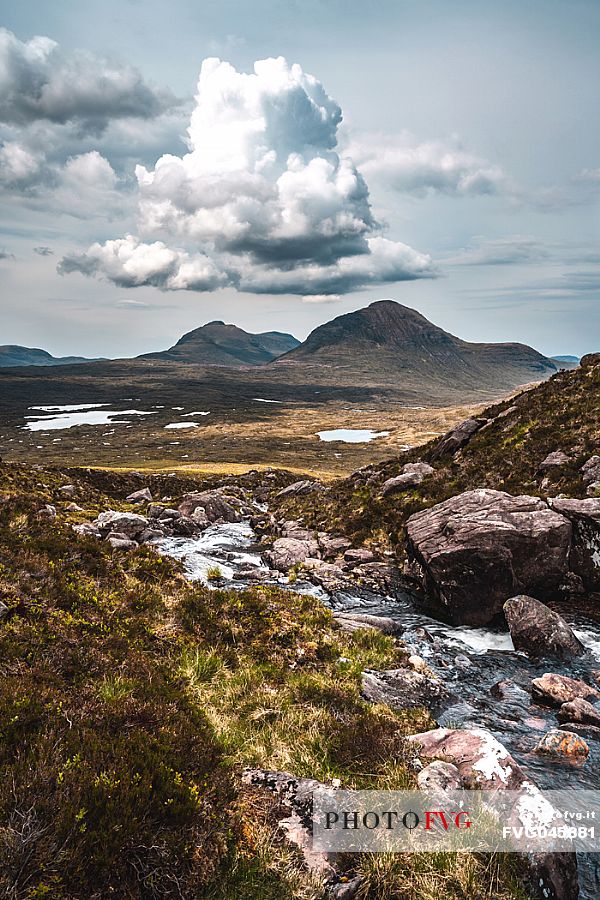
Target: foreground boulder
(538,631)
(584,559)
(563,745)
(475,550)
(483,763)
(554,689)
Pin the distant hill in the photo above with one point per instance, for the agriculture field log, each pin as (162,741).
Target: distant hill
(387,342)
(566,362)
(218,344)
(14,355)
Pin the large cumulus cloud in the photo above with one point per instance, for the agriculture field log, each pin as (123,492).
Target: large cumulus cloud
(39,82)
(263,195)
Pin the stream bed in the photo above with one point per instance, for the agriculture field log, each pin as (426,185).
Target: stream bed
(470,661)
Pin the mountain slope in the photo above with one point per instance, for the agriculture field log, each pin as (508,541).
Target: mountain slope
(562,413)
(218,344)
(387,341)
(15,355)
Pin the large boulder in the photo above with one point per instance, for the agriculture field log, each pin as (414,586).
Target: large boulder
(288,552)
(129,524)
(584,559)
(540,631)
(554,689)
(217,506)
(474,551)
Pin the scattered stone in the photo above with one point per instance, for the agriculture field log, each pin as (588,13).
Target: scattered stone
(400,483)
(554,690)
(252,573)
(143,496)
(359,555)
(418,664)
(585,551)
(129,524)
(418,468)
(566,744)
(74,507)
(580,711)
(68,490)
(86,529)
(288,552)
(169,514)
(47,513)
(462,662)
(406,689)
(121,543)
(538,631)
(150,534)
(154,510)
(300,487)
(553,460)
(330,576)
(476,549)
(458,437)
(185,526)
(356,621)
(590,470)
(200,519)
(3,610)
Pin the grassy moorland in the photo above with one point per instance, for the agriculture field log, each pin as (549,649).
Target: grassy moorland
(131,700)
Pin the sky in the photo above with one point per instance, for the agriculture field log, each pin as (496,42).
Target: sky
(275,164)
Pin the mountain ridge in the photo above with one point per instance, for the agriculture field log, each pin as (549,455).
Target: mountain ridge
(218,343)
(15,355)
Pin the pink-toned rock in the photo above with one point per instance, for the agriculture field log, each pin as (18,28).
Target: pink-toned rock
(564,744)
(554,689)
(579,711)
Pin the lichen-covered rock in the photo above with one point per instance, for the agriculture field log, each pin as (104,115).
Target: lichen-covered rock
(474,551)
(563,744)
(554,689)
(539,631)
(590,470)
(439,777)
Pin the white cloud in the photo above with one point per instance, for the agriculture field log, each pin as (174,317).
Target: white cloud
(263,195)
(19,167)
(413,167)
(40,82)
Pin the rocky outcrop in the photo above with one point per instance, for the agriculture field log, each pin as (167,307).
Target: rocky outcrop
(299,488)
(458,437)
(474,551)
(584,559)
(406,689)
(554,690)
(539,631)
(288,552)
(590,360)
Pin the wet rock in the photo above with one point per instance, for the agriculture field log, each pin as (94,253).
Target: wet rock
(215,505)
(462,662)
(584,558)
(579,711)
(332,546)
(507,690)
(185,526)
(200,519)
(587,732)
(439,777)
(564,744)
(129,524)
(417,663)
(359,555)
(538,631)
(328,575)
(142,496)
(150,534)
(356,621)
(475,550)
(406,689)
(553,460)
(288,552)
(252,573)
(168,514)
(300,487)
(458,437)
(554,690)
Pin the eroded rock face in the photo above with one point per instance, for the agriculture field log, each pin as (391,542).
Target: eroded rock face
(554,689)
(584,558)
(539,631)
(406,689)
(481,547)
